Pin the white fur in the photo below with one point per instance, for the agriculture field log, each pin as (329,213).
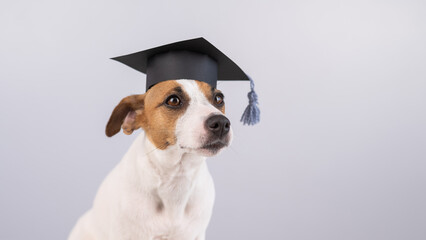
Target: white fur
(157,194)
(190,131)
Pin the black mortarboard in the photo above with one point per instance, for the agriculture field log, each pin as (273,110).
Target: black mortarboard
(195,59)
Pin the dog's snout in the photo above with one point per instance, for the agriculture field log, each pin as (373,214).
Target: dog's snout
(219,125)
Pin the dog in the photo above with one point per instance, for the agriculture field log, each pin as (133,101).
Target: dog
(161,189)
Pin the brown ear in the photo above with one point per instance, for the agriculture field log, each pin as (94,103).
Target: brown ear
(125,112)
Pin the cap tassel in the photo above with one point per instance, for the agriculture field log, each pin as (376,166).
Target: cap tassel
(251,115)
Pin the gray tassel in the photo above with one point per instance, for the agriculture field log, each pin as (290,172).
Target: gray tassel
(251,115)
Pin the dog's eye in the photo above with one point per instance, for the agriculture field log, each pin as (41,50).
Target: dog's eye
(173,101)
(218,99)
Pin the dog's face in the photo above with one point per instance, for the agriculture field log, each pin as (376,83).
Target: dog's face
(186,114)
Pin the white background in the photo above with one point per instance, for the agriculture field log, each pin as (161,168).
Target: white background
(340,150)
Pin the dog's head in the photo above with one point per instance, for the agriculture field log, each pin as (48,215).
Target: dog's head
(187,114)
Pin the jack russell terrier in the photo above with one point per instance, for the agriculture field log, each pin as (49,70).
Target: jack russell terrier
(162,188)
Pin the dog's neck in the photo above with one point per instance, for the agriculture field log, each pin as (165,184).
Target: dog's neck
(172,173)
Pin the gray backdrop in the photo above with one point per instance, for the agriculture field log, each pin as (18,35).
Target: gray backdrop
(340,150)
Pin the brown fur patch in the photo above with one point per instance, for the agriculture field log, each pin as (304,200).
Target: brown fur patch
(149,111)
(159,120)
(210,92)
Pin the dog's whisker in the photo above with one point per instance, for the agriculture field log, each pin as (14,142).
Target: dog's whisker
(160,147)
(234,150)
(157,148)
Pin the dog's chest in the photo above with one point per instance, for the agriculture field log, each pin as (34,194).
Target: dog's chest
(164,224)
(178,224)
(180,202)
(178,207)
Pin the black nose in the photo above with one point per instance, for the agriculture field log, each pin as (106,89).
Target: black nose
(219,125)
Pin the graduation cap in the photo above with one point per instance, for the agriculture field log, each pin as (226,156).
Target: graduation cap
(195,59)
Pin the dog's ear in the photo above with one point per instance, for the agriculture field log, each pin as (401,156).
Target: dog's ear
(125,115)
